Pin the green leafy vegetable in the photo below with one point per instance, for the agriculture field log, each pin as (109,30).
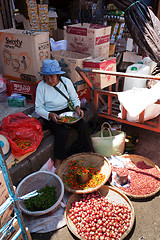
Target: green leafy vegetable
(43,201)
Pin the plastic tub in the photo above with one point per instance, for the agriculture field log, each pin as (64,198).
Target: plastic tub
(136,68)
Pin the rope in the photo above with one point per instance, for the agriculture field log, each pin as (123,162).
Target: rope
(137,6)
(10,200)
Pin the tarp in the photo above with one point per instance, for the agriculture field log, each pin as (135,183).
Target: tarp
(143,26)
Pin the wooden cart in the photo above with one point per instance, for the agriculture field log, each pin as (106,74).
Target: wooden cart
(106,103)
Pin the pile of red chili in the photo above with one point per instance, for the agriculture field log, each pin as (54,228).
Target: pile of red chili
(74,167)
(23,144)
(144,179)
(95,217)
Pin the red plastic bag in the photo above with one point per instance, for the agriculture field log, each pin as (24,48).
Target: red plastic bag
(19,127)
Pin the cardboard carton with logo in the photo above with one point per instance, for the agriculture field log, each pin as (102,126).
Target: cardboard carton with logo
(101,80)
(91,39)
(22,53)
(68,61)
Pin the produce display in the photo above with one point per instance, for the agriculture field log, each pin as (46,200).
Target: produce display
(143,177)
(68,119)
(96,217)
(46,198)
(95,177)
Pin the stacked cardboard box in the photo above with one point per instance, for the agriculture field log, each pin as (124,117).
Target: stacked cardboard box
(52,22)
(91,39)
(22,53)
(43,17)
(68,61)
(101,80)
(33,14)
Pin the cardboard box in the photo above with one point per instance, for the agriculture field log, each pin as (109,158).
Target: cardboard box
(91,39)
(59,34)
(15,228)
(69,61)
(26,89)
(124,44)
(101,80)
(131,57)
(22,53)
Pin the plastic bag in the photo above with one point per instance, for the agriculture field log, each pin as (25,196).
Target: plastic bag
(48,166)
(19,127)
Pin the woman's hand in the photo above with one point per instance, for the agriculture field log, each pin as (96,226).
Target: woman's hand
(79,111)
(54,117)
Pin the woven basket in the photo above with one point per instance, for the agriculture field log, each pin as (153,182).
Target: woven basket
(113,195)
(135,159)
(36,181)
(94,159)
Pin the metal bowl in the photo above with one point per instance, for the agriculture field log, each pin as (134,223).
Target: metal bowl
(70,114)
(36,181)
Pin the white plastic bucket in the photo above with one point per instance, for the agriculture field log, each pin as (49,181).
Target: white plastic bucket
(136,68)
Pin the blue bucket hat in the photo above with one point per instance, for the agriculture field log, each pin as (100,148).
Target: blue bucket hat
(50,67)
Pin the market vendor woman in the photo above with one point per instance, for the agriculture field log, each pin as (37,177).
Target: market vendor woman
(50,103)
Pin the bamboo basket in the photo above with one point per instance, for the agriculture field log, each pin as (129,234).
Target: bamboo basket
(94,159)
(113,195)
(135,159)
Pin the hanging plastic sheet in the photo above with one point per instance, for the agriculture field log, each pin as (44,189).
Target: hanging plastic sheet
(144,28)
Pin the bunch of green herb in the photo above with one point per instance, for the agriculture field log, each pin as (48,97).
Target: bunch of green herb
(42,201)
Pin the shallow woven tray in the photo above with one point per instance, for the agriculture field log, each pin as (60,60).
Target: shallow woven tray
(112,194)
(135,159)
(95,159)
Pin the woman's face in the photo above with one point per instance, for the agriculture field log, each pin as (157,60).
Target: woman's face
(52,80)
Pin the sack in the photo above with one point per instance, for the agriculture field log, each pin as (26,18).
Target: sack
(19,126)
(70,105)
(108,142)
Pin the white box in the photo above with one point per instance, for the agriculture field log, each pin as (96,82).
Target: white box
(22,53)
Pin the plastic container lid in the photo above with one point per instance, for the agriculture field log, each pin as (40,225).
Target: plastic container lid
(134,68)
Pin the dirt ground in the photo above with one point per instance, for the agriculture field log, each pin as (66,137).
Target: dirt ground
(147,222)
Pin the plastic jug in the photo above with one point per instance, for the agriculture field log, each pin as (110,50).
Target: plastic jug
(136,68)
(147,61)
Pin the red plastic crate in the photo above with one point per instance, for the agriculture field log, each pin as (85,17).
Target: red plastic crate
(28,90)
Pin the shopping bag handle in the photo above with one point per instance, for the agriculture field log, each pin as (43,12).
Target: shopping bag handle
(108,127)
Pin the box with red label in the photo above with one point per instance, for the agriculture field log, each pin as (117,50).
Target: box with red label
(22,53)
(85,93)
(91,39)
(26,89)
(101,80)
